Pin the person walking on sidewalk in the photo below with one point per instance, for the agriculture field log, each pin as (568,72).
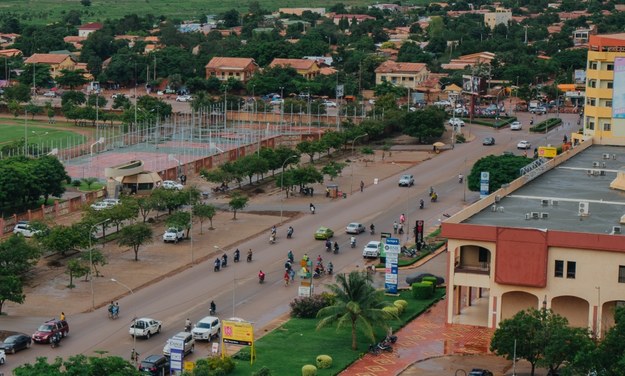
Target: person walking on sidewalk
(362,186)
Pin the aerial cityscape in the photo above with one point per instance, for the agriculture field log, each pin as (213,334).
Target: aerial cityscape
(358,188)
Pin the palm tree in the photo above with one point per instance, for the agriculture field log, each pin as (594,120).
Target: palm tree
(357,304)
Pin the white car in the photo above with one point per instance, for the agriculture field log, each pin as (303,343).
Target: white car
(329,103)
(3,357)
(50,94)
(173,235)
(406,180)
(118,95)
(276,101)
(105,204)
(524,145)
(442,103)
(184,98)
(207,328)
(456,122)
(516,126)
(22,227)
(186,338)
(372,249)
(145,327)
(355,228)
(170,184)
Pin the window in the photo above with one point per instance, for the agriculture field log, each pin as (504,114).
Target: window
(570,269)
(590,126)
(621,274)
(592,83)
(610,85)
(591,101)
(559,272)
(610,67)
(593,65)
(608,103)
(483,255)
(607,127)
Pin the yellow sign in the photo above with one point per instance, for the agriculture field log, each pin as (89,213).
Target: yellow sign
(189,366)
(238,333)
(547,151)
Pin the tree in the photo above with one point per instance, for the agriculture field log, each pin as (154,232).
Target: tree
(145,205)
(63,238)
(204,211)
(94,257)
(609,356)
(75,269)
(427,124)
(19,93)
(135,236)
(357,304)
(78,365)
(180,219)
(310,148)
(17,256)
(502,168)
(51,176)
(71,78)
(237,202)
(11,290)
(333,169)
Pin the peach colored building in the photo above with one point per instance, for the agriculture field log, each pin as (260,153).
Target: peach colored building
(238,68)
(537,243)
(304,67)
(408,75)
(57,62)
(86,29)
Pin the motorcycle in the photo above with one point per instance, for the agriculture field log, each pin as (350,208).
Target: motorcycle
(328,246)
(113,312)
(187,327)
(408,252)
(336,248)
(421,204)
(261,277)
(217,265)
(434,197)
(272,239)
(312,209)
(352,242)
(460,179)
(384,346)
(236,256)
(390,338)
(289,233)
(330,269)
(290,256)
(249,256)
(213,308)
(373,349)
(224,261)
(55,340)
(372,229)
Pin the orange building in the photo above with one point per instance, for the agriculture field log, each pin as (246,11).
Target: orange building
(224,68)
(307,68)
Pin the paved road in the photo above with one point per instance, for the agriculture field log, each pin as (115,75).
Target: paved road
(187,294)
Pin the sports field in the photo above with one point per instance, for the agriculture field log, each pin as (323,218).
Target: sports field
(58,135)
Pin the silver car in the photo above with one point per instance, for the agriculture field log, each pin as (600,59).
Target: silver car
(406,180)
(355,228)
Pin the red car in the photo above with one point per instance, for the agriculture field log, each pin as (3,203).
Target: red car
(48,329)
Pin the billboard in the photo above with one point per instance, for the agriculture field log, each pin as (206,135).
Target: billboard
(473,85)
(579,77)
(618,91)
(237,332)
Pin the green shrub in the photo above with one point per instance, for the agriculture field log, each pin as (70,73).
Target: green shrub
(391,310)
(460,139)
(217,363)
(264,371)
(401,302)
(243,354)
(429,283)
(422,290)
(309,370)
(400,308)
(324,361)
(76,183)
(308,306)
(430,279)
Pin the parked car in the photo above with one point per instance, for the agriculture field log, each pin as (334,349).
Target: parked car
(207,328)
(480,372)
(456,122)
(118,95)
(406,180)
(489,141)
(323,233)
(523,145)
(328,104)
(372,249)
(16,342)
(154,365)
(3,357)
(355,228)
(186,338)
(170,184)
(276,101)
(538,110)
(50,94)
(184,98)
(442,103)
(23,227)
(145,327)
(516,126)
(48,329)
(173,234)
(105,204)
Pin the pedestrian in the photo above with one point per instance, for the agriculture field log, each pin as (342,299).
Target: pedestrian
(62,316)
(287,278)
(292,274)
(395,227)
(362,186)
(402,218)
(312,191)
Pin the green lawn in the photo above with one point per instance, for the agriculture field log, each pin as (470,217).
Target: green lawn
(296,343)
(47,11)
(60,136)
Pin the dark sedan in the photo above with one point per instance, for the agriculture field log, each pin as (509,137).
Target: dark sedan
(16,342)
(489,141)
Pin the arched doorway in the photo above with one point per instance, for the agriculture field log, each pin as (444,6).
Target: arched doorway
(516,301)
(573,308)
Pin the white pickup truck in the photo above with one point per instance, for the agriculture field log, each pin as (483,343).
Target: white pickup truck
(173,235)
(372,249)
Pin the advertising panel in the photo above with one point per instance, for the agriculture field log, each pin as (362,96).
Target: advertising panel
(392,249)
(238,333)
(618,92)
(484,182)
(473,85)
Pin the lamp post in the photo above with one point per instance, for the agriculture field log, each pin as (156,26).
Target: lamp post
(91,260)
(234,280)
(134,323)
(281,104)
(25,132)
(282,184)
(351,185)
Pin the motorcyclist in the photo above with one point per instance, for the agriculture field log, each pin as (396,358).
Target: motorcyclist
(261,277)
(134,355)
(224,260)
(317,272)
(460,178)
(336,247)
(237,254)
(274,231)
(217,264)
(187,325)
(352,241)
(213,308)
(330,267)
(249,255)
(372,228)
(312,208)
(328,245)
(395,225)
(290,256)
(400,229)
(289,232)
(421,204)
(402,218)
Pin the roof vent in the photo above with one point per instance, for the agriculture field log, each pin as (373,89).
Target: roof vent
(616,230)
(544,215)
(584,208)
(596,164)
(606,156)
(535,215)
(544,202)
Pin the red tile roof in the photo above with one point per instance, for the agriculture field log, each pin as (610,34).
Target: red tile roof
(91,26)
(297,64)
(393,67)
(233,63)
(46,59)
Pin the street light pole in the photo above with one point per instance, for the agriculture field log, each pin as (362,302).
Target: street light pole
(91,260)
(282,184)
(351,185)
(134,324)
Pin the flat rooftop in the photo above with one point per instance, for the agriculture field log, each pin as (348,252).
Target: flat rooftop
(559,192)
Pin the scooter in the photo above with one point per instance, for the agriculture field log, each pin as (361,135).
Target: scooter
(352,242)
(272,239)
(249,257)
(289,233)
(224,261)
(261,278)
(236,256)
(55,340)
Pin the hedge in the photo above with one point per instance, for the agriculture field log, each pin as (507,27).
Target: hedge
(422,290)
(546,125)
(309,370)
(324,361)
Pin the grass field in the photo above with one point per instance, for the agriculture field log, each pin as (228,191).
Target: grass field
(47,11)
(39,132)
(275,350)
